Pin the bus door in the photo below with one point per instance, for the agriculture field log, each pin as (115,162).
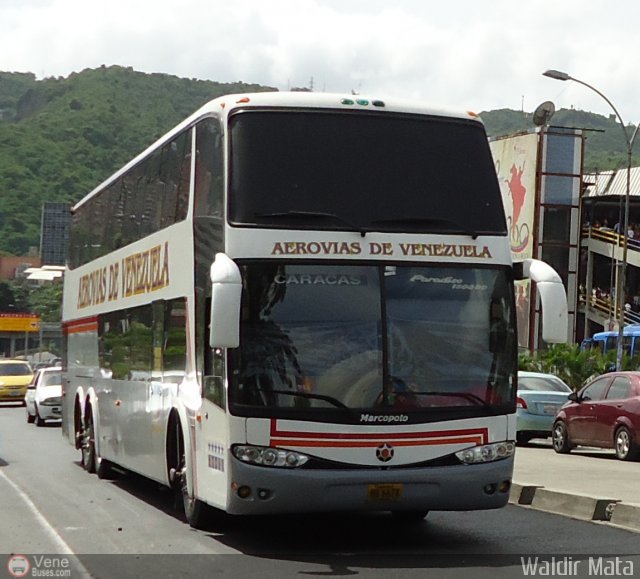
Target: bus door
(212,433)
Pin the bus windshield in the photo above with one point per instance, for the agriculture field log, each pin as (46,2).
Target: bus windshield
(359,171)
(375,337)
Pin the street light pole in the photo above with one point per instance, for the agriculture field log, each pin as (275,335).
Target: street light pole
(620,286)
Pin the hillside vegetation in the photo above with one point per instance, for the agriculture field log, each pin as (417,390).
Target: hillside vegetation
(60,137)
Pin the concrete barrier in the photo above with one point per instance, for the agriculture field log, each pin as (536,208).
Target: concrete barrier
(573,505)
(627,516)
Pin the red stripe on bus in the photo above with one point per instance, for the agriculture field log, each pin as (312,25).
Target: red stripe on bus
(84,325)
(480,433)
(476,440)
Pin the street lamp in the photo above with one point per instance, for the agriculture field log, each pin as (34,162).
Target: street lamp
(620,286)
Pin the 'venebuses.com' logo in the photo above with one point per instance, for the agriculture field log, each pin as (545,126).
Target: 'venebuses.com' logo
(18,565)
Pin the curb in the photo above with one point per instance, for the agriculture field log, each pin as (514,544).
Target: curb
(577,506)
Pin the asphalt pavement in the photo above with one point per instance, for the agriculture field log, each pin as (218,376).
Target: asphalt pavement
(588,484)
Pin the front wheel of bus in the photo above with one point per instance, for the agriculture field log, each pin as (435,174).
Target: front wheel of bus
(409,517)
(194,510)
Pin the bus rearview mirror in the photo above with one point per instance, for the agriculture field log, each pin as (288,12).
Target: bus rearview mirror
(226,292)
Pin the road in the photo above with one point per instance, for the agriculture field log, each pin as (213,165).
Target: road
(129,528)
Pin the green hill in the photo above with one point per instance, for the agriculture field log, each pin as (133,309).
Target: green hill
(60,137)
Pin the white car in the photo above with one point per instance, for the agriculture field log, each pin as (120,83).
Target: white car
(43,399)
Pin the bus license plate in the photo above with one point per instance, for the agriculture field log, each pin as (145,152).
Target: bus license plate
(385,492)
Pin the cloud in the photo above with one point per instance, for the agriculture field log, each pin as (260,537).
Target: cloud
(462,53)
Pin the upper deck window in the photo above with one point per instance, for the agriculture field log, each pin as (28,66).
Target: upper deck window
(362,171)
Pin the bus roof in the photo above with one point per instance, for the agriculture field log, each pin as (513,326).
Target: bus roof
(228,103)
(630,330)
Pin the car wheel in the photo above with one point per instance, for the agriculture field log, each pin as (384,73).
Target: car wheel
(624,445)
(522,438)
(39,420)
(560,438)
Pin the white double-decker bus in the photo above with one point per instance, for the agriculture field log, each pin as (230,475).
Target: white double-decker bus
(298,302)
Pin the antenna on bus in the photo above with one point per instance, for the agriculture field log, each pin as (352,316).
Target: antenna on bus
(543,114)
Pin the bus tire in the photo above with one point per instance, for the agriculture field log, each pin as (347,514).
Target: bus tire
(104,468)
(88,446)
(409,517)
(195,511)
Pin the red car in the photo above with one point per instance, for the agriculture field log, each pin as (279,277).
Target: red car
(605,414)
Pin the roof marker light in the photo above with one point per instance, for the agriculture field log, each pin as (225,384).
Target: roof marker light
(243,100)
(363,102)
(377,103)
(346,102)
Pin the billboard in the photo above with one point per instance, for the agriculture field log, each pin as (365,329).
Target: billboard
(19,322)
(516,159)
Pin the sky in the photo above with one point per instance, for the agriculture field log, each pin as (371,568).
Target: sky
(467,54)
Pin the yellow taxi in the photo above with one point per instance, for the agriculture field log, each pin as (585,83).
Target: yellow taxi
(15,375)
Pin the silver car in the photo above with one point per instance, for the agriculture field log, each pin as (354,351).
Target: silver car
(43,399)
(540,396)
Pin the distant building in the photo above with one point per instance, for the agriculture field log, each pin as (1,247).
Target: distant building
(54,236)
(13,267)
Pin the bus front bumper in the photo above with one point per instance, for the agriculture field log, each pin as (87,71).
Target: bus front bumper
(261,490)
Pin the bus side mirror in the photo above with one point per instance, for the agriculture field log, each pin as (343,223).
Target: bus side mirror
(226,291)
(553,298)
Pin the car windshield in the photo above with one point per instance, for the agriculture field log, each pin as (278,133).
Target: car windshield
(542,384)
(52,379)
(15,369)
(372,337)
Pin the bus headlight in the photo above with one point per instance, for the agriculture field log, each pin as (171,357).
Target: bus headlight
(487,452)
(268,456)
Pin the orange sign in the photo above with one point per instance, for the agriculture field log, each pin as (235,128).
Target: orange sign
(19,322)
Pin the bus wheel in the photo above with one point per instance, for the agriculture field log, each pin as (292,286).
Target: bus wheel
(104,468)
(409,517)
(88,445)
(193,509)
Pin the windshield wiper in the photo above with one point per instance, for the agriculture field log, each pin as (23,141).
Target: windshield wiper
(329,399)
(466,395)
(313,215)
(425,221)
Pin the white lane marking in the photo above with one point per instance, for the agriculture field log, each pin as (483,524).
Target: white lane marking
(59,542)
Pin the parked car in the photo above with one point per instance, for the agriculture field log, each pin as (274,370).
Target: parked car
(539,398)
(44,396)
(605,413)
(14,377)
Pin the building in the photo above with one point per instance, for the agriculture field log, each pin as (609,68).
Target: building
(14,267)
(601,252)
(54,233)
(540,173)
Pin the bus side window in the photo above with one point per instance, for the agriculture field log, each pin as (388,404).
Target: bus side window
(214,384)
(214,370)
(209,170)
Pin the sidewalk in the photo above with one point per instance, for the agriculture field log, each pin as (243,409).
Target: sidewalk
(588,484)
